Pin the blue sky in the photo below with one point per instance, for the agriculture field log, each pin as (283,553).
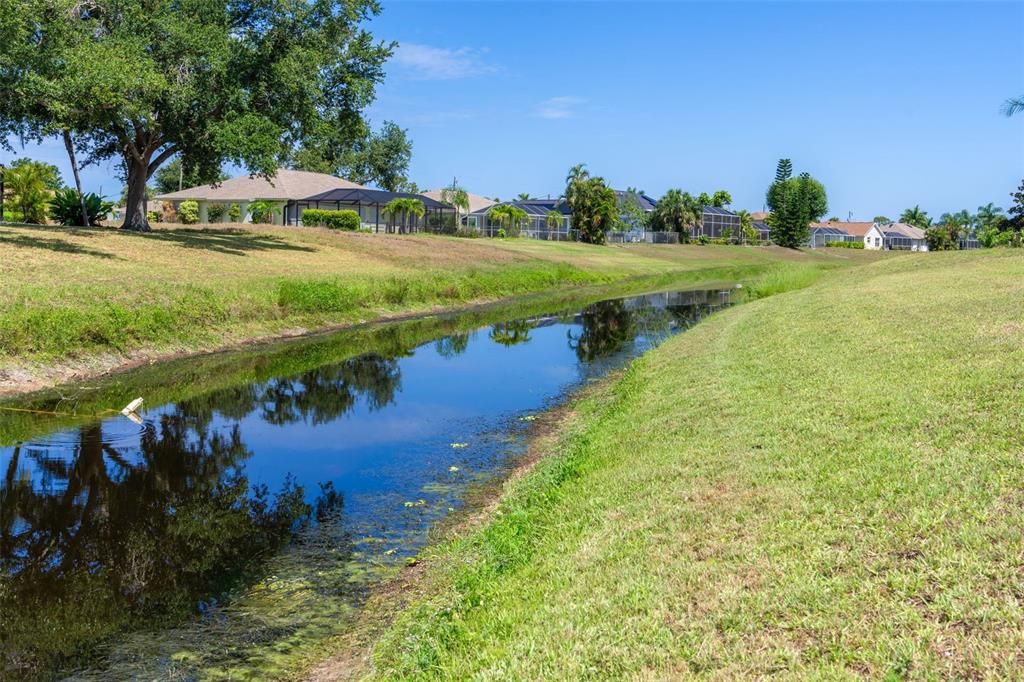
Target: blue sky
(888,104)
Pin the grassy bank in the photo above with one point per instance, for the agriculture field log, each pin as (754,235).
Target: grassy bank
(89,298)
(822,484)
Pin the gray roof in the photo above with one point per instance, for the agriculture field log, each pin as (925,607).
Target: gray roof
(284,185)
(718,210)
(370,196)
(533,207)
(645,202)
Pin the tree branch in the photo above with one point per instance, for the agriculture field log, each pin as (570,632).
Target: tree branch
(160,158)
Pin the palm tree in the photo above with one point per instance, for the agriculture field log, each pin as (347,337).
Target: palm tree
(523,196)
(988,215)
(677,212)
(509,217)
(574,182)
(553,220)
(26,183)
(916,217)
(1014,105)
(747,231)
(404,207)
(457,197)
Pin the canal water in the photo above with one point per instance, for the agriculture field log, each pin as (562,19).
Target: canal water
(246,511)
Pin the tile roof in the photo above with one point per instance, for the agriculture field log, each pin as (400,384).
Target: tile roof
(856,229)
(476,201)
(285,184)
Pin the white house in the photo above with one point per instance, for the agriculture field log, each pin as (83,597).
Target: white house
(283,189)
(895,237)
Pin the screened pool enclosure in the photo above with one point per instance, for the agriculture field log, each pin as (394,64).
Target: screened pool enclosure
(369,204)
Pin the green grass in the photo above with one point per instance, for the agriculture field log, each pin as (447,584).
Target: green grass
(817,485)
(91,297)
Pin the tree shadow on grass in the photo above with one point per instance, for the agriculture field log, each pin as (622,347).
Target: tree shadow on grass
(49,243)
(229,241)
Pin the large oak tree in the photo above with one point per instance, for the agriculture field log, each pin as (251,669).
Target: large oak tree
(140,81)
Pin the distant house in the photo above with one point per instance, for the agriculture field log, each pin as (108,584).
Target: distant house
(536,210)
(895,237)
(283,190)
(823,235)
(476,201)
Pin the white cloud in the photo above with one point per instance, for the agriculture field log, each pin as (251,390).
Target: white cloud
(426,62)
(559,107)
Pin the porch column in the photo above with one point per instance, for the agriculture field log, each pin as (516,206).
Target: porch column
(204,212)
(243,209)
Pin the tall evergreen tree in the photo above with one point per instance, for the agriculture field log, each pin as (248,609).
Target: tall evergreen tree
(794,203)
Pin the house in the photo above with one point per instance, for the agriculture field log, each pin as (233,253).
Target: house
(536,226)
(476,201)
(822,235)
(370,203)
(282,189)
(895,237)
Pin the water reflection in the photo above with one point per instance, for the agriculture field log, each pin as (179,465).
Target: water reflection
(111,529)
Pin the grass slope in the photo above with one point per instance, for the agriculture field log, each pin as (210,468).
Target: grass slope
(823,484)
(73,294)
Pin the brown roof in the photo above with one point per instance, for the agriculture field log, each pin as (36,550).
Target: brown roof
(856,229)
(285,184)
(759,216)
(476,202)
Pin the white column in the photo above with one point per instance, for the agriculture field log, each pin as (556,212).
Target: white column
(243,209)
(204,213)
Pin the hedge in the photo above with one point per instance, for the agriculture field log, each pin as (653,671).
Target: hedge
(845,245)
(336,220)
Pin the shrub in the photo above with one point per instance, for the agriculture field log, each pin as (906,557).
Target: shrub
(262,211)
(845,245)
(501,233)
(703,239)
(336,220)
(188,212)
(66,209)
(235,213)
(215,212)
(942,238)
(154,216)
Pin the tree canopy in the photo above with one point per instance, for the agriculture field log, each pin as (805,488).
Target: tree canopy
(211,80)
(594,205)
(176,174)
(794,203)
(916,217)
(359,155)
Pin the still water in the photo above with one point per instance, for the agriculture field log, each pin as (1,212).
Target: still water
(245,517)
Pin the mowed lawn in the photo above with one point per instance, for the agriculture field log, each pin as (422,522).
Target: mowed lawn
(823,484)
(75,294)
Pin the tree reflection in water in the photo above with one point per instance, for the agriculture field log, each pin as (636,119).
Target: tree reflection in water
(511,333)
(119,536)
(606,329)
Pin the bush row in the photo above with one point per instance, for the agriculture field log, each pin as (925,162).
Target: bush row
(336,220)
(845,245)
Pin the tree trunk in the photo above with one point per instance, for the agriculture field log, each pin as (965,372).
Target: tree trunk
(135,206)
(78,181)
